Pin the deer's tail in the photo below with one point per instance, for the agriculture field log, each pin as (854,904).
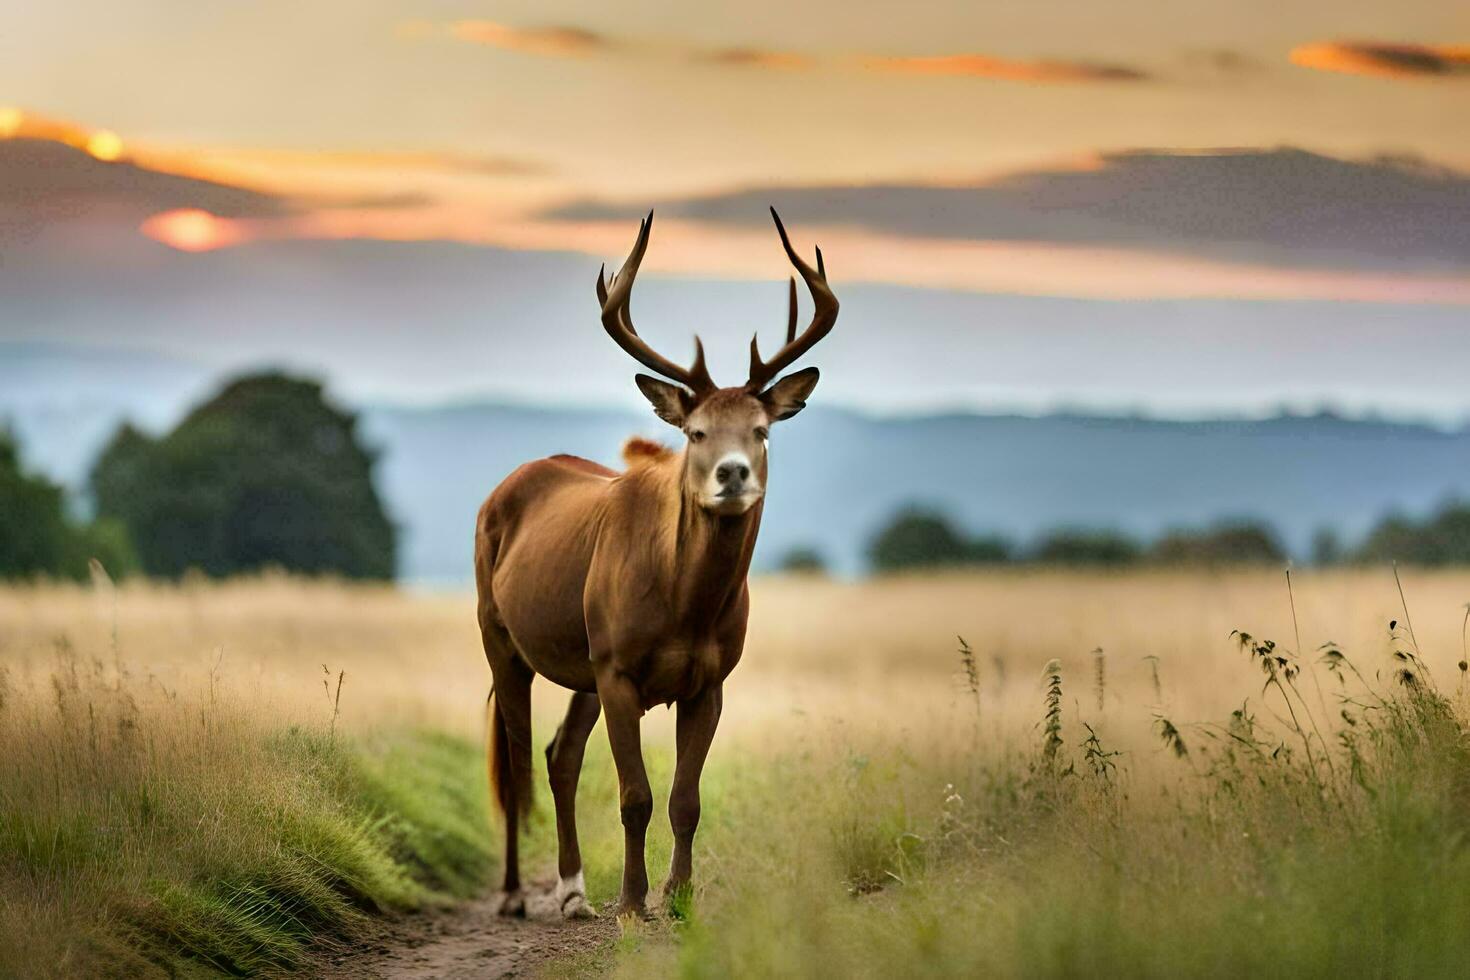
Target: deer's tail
(510,785)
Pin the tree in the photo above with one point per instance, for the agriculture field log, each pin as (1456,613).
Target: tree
(1393,538)
(37,539)
(1226,543)
(1078,546)
(265,474)
(804,560)
(32,523)
(1450,533)
(918,537)
(1443,539)
(1326,547)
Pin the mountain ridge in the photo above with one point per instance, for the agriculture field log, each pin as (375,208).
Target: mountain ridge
(837,474)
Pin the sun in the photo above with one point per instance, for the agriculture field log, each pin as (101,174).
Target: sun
(191,230)
(11,119)
(105,145)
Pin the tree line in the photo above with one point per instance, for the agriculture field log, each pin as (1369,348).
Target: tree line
(921,537)
(268,473)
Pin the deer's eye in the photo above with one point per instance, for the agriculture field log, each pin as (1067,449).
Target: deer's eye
(696,435)
(762,433)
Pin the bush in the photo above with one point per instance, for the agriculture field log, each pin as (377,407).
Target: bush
(1326,547)
(805,560)
(1227,543)
(1443,539)
(921,538)
(1075,546)
(266,474)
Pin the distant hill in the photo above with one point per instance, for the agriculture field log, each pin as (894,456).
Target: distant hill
(836,475)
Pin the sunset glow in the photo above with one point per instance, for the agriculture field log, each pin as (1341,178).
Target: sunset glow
(1106,197)
(1385,60)
(984,66)
(16,123)
(105,145)
(555,41)
(192,230)
(538,131)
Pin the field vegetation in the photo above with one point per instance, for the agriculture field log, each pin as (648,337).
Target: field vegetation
(1100,778)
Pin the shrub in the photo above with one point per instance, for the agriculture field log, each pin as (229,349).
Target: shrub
(1442,539)
(805,560)
(1226,543)
(1076,546)
(919,537)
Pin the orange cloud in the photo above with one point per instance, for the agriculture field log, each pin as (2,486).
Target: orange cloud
(199,197)
(754,58)
(985,66)
(553,41)
(578,42)
(1027,268)
(377,161)
(1385,60)
(104,144)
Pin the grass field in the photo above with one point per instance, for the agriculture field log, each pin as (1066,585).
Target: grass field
(221,777)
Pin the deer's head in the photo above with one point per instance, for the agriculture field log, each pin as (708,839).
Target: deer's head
(726,429)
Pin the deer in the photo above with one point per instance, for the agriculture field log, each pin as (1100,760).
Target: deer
(630,589)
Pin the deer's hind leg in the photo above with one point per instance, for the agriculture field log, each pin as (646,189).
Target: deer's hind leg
(510,752)
(564,767)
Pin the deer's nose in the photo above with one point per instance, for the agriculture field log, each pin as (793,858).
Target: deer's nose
(732,473)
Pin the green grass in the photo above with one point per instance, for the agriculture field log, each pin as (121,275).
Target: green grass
(927,853)
(140,834)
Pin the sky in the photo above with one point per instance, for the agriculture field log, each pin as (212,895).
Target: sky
(1311,156)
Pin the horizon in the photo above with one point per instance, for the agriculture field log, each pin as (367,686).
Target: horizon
(212,378)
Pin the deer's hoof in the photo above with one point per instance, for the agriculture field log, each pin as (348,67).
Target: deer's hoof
(512,905)
(631,910)
(577,907)
(571,898)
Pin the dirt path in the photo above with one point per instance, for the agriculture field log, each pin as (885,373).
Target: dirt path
(470,940)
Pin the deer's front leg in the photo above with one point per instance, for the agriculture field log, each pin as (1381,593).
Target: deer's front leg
(624,711)
(695,730)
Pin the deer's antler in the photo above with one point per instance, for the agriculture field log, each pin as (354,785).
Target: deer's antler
(823,317)
(618,322)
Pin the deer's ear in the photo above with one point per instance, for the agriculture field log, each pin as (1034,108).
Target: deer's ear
(788,396)
(670,402)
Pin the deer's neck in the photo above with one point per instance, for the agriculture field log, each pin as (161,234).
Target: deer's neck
(711,557)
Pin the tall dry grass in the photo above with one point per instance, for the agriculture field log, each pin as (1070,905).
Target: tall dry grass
(829,648)
(165,811)
(1230,805)
(183,787)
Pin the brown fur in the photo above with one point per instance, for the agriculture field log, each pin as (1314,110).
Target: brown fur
(630,588)
(619,584)
(639,450)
